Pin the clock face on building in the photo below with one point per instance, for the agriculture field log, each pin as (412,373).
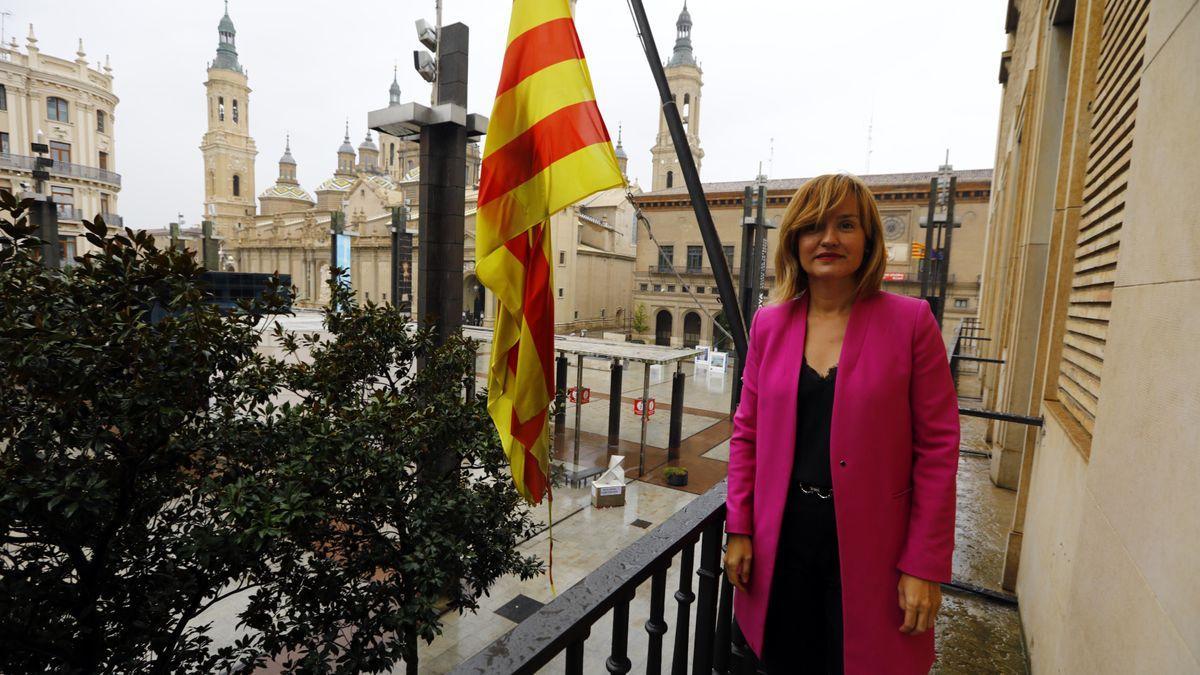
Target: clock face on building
(894,228)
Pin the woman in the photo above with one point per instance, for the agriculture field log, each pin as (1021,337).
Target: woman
(844,452)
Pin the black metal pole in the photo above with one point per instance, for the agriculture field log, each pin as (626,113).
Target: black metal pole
(760,244)
(745,285)
(675,432)
(928,260)
(687,165)
(397,230)
(614,405)
(944,263)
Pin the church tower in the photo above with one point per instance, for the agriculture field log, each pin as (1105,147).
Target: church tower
(227,147)
(684,78)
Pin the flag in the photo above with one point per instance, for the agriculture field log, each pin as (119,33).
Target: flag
(546,148)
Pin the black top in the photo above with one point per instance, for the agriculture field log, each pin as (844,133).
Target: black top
(814,412)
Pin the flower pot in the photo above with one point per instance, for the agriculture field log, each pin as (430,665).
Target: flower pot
(678,480)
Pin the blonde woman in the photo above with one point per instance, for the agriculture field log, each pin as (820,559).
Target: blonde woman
(844,453)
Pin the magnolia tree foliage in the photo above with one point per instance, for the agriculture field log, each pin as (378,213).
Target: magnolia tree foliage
(160,456)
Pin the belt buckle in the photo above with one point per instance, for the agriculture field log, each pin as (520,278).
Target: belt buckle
(822,493)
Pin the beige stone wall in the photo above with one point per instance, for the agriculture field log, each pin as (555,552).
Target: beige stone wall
(1104,545)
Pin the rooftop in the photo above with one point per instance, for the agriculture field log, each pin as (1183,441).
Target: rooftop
(791,184)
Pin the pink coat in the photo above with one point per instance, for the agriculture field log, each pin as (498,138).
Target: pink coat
(894,455)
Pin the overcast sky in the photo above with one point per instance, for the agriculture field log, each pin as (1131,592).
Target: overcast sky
(811,75)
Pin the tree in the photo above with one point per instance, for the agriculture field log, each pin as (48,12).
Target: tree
(641,322)
(155,463)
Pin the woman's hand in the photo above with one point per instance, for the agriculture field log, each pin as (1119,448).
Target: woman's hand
(738,554)
(920,600)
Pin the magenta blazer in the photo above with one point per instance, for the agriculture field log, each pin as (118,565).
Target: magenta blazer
(893,448)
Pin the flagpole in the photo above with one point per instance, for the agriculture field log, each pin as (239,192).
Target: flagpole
(687,166)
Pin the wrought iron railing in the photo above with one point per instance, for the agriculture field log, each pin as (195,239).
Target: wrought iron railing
(697,271)
(565,623)
(25,163)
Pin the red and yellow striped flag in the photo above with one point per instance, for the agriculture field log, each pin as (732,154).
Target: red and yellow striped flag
(547,147)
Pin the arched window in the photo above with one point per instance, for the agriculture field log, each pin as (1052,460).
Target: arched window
(670,178)
(100,121)
(235,111)
(391,154)
(220,108)
(687,108)
(237,185)
(56,109)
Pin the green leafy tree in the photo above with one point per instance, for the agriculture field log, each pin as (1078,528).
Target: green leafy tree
(156,461)
(641,322)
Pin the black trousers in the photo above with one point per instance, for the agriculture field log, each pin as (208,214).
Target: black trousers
(804,617)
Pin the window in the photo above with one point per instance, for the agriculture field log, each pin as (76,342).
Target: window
(237,185)
(64,201)
(235,111)
(60,152)
(960,303)
(695,258)
(100,121)
(645,287)
(391,154)
(220,108)
(104,160)
(666,258)
(601,312)
(670,288)
(562,257)
(66,251)
(104,204)
(56,109)
(728,251)
(670,178)
(684,289)
(3,97)
(560,292)
(658,288)
(576,314)
(4,142)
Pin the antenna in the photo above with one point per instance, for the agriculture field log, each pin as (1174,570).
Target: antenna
(771,159)
(870,129)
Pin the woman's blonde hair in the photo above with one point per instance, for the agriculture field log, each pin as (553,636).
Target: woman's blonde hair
(809,206)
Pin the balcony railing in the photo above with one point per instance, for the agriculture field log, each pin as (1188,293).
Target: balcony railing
(565,623)
(25,163)
(697,271)
(68,213)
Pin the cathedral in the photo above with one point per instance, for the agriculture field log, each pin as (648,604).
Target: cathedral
(288,229)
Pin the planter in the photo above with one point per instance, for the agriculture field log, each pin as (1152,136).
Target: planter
(677,479)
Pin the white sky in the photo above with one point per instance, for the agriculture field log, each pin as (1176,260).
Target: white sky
(811,75)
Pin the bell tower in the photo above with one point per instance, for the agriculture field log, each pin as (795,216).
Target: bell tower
(227,147)
(684,78)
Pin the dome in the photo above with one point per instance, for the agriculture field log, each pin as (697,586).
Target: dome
(226,25)
(287,153)
(368,144)
(382,181)
(337,183)
(278,191)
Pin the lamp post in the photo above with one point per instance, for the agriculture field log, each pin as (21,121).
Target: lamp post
(45,214)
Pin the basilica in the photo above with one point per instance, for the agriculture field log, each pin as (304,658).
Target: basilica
(374,188)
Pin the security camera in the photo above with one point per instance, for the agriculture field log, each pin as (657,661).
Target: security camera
(427,35)
(425,64)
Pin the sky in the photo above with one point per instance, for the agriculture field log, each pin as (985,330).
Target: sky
(797,85)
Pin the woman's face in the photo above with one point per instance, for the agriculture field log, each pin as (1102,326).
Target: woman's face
(833,249)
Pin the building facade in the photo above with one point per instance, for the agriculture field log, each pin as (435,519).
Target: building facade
(70,106)
(674,274)
(1090,278)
